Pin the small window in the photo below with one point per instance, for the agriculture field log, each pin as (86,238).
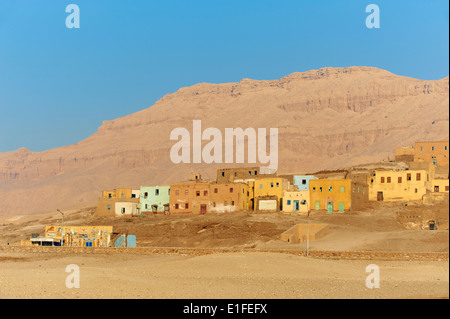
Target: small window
(146,206)
(214,204)
(156,192)
(418,177)
(177,192)
(278,184)
(205,193)
(445,147)
(232,203)
(177,206)
(400,180)
(225,203)
(145,195)
(303,202)
(388,179)
(256,173)
(197,193)
(249,172)
(223,174)
(415,190)
(382,179)
(314,189)
(123,210)
(122,195)
(271,184)
(186,206)
(421,148)
(109,207)
(231,189)
(216,190)
(289,202)
(342,188)
(330,189)
(109,195)
(133,195)
(260,186)
(303,181)
(320,189)
(432,148)
(446,188)
(408,176)
(186,192)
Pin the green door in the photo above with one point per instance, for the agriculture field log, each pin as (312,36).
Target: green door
(317,207)
(341,207)
(329,207)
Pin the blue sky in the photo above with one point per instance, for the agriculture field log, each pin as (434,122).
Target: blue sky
(57,85)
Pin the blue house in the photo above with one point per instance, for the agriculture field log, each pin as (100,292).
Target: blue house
(302,181)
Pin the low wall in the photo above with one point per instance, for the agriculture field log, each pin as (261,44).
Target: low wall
(298,233)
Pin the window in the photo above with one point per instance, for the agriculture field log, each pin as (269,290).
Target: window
(446,188)
(388,179)
(177,192)
(260,186)
(145,195)
(133,195)
(432,148)
(214,204)
(197,193)
(303,202)
(371,180)
(415,190)
(123,210)
(225,203)
(320,189)
(177,206)
(231,189)
(421,148)
(223,174)
(109,195)
(216,190)
(109,207)
(271,184)
(186,206)
(232,203)
(314,189)
(418,177)
(445,147)
(278,184)
(122,195)
(303,181)
(400,180)
(382,179)
(249,172)
(146,206)
(408,177)
(186,192)
(256,173)
(342,188)
(330,189)
(205,193)
(156,192)
(289,202)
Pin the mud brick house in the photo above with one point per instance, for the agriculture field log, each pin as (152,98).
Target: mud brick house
(229,197)
(190,197)
(155,199)
(330,195)
(268,193)
(405,185)
(118,202)
(436,152)
(359,188)
(240,174)
(296,201)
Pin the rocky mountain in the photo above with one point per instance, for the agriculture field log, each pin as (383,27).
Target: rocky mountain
(327,118)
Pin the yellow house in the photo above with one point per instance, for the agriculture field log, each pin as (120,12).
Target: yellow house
(119,193)
(389,185)
(296,201)
(271,187)
(330,194)
(439,186)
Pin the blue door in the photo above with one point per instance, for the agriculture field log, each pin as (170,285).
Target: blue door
(296,205)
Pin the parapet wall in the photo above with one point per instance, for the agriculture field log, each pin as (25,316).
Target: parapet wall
(298,233)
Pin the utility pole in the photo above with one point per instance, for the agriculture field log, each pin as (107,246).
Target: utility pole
(62,228)
(307,237)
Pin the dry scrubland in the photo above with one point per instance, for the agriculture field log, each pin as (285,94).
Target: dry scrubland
(237,256)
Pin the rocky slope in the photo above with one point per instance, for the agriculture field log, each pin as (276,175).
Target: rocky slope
(327,118)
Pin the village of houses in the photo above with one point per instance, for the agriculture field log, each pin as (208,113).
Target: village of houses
(425,177)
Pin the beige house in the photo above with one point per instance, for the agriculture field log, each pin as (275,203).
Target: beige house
(296,201)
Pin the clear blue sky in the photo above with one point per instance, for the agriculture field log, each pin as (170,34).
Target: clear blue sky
(57,85)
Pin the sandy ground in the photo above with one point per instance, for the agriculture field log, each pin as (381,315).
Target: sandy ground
(249,274)
(222,276)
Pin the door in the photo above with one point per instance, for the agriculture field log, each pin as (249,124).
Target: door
(380,196)
(202,209)
(317,205)
(329,207)
(154,209)
(296,205)
(341,207)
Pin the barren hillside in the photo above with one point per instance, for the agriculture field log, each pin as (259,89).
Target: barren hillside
(327,118)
